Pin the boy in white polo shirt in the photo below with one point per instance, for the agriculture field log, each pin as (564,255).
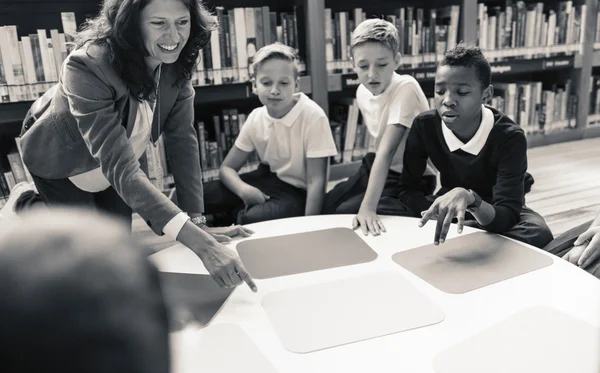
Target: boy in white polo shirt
(388,102)
(293,140)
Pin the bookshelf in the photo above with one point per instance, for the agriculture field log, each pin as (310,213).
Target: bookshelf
(575,61)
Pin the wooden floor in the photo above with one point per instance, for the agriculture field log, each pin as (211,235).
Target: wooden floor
(566,190)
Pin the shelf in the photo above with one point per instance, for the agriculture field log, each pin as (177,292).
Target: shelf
(596,58)
(238,91)
(566,135)
(338,82)
(14,112)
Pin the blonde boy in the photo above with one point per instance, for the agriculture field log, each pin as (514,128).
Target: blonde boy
(293,140)
(388,102)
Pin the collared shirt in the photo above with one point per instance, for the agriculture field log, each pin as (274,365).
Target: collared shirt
(285,143)
(476,143)
(400,103)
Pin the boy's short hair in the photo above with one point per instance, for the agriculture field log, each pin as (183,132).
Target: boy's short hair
(274,51)
(469,55)
(376,31)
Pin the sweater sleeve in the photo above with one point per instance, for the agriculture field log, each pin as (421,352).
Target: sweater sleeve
(414,164)
(508,193)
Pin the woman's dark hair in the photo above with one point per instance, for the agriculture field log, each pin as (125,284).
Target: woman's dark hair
(118,27)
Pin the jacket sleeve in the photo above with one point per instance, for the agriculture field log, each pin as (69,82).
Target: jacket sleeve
(181,142)
(92,104)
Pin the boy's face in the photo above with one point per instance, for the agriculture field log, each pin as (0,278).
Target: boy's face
(374,63)
(459,96)
(275,85)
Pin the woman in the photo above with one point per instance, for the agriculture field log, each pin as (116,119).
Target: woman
(128,82)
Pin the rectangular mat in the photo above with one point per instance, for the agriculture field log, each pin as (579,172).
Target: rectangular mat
(226,348)
(538,339)
(325,315)
(303,252)
(471,261)
(192,297)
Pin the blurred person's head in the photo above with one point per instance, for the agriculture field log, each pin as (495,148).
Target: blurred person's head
(77,296)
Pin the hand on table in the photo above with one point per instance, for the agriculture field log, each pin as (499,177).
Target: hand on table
(253,196)
(368,221)
(226,268)
(444,209)
(586,249)
(224,234)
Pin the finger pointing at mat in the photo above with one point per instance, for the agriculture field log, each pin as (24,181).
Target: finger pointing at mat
(225,267)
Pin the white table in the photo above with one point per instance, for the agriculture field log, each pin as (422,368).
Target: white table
(562,286)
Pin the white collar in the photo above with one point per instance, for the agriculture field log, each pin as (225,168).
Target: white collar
(288,119)
(478,140)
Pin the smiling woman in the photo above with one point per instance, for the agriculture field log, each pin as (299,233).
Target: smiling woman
(126,84)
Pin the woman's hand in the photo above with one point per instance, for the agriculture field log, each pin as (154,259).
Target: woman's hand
(223,264)
(444,209)
(224,234)
(368,221)
(225,267)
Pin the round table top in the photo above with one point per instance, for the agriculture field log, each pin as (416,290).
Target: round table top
(561,286)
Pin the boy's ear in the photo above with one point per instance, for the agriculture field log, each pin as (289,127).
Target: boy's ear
(397,60)
(253,81)
(297,84)
(488,93)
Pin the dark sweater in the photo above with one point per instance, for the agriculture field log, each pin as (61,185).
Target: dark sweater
(496,173)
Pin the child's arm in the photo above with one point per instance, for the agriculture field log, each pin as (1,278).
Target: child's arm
(507,200)
(367,215)
(228,173)
(414,164)
(316,171)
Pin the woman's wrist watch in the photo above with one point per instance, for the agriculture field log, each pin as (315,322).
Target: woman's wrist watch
(199,221)
(476,203)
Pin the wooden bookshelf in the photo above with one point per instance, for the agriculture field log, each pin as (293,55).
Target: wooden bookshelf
(338,82)
(577,59)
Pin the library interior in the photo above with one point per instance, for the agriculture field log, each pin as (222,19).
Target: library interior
(288,232)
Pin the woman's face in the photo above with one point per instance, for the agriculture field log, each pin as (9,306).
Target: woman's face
(165,26)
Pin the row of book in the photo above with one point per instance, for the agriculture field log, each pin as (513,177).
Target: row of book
(424,34)
(594,95)
(520,24)
(29,64)
(537,108)
(242,32)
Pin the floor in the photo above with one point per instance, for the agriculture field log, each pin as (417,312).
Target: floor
(566,190)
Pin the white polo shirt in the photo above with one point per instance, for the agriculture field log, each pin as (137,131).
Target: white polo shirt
(400,103)
(476,143)
(285,143)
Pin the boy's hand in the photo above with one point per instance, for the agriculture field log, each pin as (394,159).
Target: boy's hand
(590,242)
(445,208)
(224,234)
(368,221)
(253,196)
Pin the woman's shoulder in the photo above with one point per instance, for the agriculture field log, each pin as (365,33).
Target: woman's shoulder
(91,54)
(91,61)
